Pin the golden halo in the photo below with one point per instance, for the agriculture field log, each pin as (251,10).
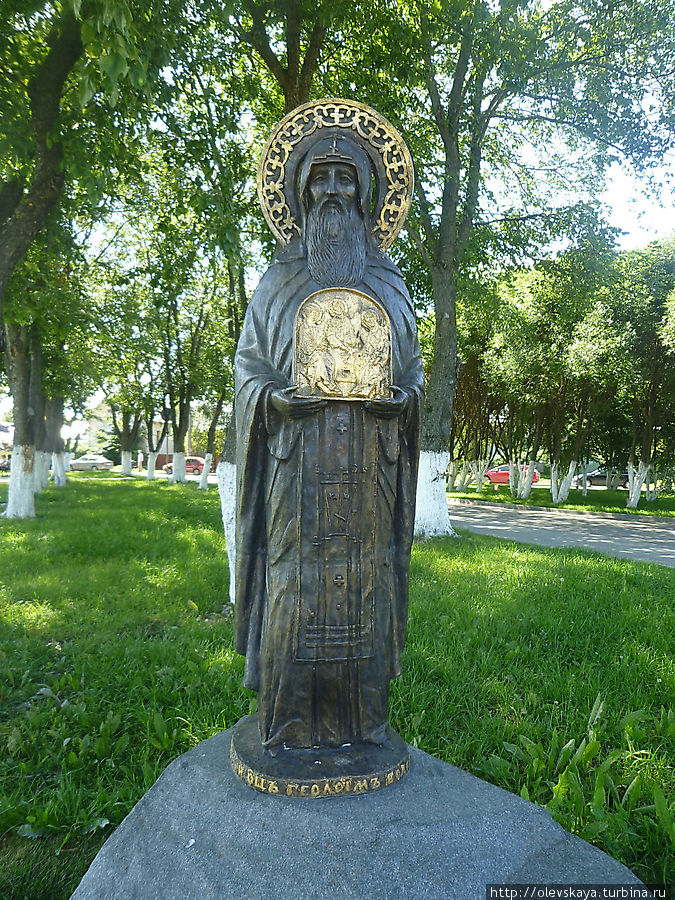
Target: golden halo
(297,131)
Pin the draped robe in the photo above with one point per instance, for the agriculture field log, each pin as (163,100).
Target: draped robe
(304,702)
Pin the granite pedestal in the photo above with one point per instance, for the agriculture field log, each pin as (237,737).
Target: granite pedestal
(200,833)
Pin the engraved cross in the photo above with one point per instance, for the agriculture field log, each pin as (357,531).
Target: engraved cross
(339,580)
(341,427)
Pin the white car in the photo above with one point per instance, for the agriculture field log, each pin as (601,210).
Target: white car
(90,462)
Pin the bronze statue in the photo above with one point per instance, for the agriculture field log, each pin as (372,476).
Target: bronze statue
(328,391)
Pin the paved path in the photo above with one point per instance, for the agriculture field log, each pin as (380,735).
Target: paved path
(645,538)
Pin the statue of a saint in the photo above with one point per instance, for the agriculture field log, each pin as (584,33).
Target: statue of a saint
(328,390)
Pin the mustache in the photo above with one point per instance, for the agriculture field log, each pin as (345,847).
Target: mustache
(330,204)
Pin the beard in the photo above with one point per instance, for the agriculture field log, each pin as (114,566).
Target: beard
(336,245)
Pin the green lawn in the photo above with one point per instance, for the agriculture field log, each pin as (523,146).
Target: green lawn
(595,500)
(116,656)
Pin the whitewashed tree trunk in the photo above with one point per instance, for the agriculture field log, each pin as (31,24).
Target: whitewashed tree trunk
(126,462)
(431,511)
(631,477)
(554,482)
(515,477)
(227,488)
(652,493)
(204,480)
(21,497)
(525,486)
(41,471)
(584,475)
(563,490)
(453,470)
(636,482)
(478,469)
(67,459)
(58,469)
(152,462)
(464,477)
(178,474)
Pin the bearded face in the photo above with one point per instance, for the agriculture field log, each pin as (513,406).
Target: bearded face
(335,233)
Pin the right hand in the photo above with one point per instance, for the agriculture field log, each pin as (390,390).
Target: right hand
(292,407)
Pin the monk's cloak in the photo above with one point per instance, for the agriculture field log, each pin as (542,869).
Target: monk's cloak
(302,702)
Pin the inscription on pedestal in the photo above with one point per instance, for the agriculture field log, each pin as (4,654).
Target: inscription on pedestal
(319,787)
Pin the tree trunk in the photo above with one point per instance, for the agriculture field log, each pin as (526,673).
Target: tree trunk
(478,469)
(19,504)
(54,425)
(554,482)
(37,408)
(126,462)
(41,466)
(563,490)
(584,475)
(152,462)
(432,516)
(27,213)
(431,510)
(178,475)
(227,488)
(515,478)
(59,470)
(525,487)
(636,482)
(453,471)
(204,479)
(21,497)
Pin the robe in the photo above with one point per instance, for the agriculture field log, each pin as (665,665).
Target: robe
(325,699)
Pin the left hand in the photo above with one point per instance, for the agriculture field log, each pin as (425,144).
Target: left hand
(398,405)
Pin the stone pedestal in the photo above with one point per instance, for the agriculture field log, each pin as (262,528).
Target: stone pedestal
(202,834)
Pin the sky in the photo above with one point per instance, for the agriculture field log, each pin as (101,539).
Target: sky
(643,215)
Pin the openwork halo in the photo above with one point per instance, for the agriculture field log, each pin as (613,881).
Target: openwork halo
(300,129)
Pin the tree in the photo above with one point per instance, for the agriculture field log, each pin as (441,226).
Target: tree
(527,106)
(644,285)
(66,124)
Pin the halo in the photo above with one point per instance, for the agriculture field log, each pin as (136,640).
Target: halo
(294,135)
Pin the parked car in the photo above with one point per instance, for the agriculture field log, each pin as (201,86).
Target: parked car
(5,464)
(91,462)
(599,476)
(500,475)
(193,465)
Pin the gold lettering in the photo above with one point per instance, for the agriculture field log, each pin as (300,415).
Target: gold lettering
(361,786)
(327,791)
(291,790)
(304,790)
(259,782)
(273,787)
(250,777)
(389,779)
(374,784)
(315,790)
(338,787)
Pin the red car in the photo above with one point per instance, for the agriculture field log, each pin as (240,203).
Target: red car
(193,465)
(500,475)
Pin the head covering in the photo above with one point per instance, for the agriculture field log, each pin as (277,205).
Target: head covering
(339,149)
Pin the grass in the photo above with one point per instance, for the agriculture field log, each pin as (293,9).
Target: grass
(595,501)
(547,672)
